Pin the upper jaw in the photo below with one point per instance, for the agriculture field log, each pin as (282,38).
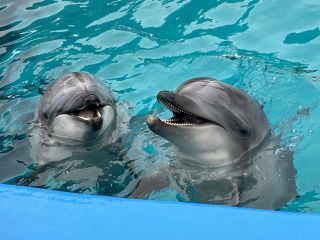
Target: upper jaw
(168,100)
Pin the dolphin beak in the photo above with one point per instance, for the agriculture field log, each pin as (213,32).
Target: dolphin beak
(152,121)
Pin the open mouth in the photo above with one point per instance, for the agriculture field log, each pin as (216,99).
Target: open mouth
(90,112)
(87,113)
(181,117)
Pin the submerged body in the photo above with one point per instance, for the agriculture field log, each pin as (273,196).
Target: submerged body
(225,147)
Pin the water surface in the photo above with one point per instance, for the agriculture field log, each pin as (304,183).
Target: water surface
(268,48)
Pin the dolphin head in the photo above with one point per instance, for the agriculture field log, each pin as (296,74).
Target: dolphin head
(213,123)
(77,106)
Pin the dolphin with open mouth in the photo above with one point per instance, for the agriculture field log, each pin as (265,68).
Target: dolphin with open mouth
(76,113)
(226,151)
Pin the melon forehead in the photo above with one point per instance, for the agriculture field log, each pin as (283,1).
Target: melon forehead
(212,90)
(212,95)
(75,85)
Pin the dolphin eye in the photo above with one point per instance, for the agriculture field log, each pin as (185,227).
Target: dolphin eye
(45,115)
(244,132)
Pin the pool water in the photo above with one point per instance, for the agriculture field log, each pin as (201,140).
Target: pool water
(268,48)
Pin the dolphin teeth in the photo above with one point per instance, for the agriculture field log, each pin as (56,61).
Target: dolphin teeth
(178,109)
(84,118)
(98,113)
(169,120)
(172,122)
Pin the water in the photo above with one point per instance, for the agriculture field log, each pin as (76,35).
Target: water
(268,48)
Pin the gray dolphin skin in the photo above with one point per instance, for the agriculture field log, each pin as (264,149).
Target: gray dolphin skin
(226,151)
(76,112)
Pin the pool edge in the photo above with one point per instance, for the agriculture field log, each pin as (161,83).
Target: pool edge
(31,213)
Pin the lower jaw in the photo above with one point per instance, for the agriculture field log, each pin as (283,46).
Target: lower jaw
(96,123)
(184,121)
(175,122)
(152,121)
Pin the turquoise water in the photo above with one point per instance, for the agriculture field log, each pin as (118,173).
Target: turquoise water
(268,48)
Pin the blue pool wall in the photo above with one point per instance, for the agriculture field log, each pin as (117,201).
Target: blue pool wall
(31,213)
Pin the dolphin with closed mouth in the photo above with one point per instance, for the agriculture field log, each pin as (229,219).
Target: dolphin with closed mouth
(76,113)
(226,151)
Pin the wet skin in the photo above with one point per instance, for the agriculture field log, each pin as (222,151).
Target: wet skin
(76,113)
(222,136)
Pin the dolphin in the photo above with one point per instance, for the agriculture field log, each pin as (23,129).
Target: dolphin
(76,140)
(226,151)
(76,113)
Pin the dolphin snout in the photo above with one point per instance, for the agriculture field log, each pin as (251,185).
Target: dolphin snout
(153,122)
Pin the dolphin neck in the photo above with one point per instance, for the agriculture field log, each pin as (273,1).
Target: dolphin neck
(246,159)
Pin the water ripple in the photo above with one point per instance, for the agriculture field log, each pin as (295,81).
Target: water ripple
(141,47)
